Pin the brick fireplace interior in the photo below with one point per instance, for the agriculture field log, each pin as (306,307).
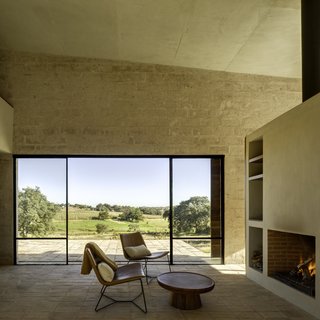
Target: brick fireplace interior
(291,260)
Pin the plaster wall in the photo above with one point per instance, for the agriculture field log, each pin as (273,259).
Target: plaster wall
(91,106)
(291,189)
(6,183)
(6,127)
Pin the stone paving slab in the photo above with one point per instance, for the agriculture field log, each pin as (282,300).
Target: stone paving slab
(60,292)
(44,251)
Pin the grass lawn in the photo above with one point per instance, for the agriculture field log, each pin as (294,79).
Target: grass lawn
(82,225)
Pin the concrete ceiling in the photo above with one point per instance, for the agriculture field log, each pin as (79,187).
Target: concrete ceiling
(247,36)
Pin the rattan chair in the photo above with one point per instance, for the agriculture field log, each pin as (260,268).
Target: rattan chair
(135,240)
(94,257)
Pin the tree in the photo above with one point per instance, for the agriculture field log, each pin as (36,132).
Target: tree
(152,210)
(35,212)
(103,207)
(131,214)
(191,216)
(82,206)
(116,208)
(101,228)
(103,215)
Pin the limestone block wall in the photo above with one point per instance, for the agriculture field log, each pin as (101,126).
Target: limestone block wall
(6,209)
(90,106)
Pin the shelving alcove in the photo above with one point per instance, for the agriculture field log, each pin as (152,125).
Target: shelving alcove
(255,204)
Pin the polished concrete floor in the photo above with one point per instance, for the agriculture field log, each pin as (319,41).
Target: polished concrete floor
(60,292)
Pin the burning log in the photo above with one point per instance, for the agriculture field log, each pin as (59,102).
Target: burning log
(303,268)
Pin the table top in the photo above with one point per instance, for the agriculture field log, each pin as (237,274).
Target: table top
(185,282)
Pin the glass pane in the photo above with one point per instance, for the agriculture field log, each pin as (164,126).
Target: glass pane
(191,197)
(109,196)
(196,251)
(111,247)
(41,251)
(41,198)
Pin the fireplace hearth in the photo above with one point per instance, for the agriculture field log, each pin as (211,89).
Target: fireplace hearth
(302,277)
(291,260)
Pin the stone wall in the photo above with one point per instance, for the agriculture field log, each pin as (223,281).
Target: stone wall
(6,210)
(90,106)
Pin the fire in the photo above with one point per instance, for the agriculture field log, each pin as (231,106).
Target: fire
(306,268)
(312,268)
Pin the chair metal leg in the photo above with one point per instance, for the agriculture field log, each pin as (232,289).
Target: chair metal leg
(113,301)
(102,293)
(103,289)
(146,269)
(144,298)
(148,278)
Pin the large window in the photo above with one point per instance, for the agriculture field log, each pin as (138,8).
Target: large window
(41,219)
(196,211)
(108,196)
(64,202)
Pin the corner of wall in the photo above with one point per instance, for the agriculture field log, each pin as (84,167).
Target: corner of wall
(6,127)
(6,210)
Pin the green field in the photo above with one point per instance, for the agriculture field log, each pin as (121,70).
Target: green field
(82,224)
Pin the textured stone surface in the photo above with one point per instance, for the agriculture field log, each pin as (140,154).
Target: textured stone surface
(61,292)
(98,107)
(6,210)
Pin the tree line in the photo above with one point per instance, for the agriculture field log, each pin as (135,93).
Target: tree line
(120,208)
(35,213)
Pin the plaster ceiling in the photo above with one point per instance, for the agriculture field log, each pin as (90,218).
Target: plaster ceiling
(247,36)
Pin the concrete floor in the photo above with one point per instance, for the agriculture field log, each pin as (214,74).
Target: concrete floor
(60,292)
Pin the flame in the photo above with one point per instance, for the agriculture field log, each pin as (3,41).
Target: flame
(307,267)
(312,268)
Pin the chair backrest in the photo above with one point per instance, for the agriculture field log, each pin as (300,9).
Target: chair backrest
(94,265)
(132,239)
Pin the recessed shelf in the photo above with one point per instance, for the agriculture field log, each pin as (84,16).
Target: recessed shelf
(256,177)
(256,249)
(255,180)
(258,159)
(255,223)
(255,148)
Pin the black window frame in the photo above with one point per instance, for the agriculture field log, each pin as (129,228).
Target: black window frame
(170,158)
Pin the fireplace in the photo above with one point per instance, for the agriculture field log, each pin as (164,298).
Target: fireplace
(291,260)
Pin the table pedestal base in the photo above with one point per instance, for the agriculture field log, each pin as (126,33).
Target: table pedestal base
(185,301)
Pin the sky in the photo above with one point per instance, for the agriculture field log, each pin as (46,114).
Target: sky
(121,181)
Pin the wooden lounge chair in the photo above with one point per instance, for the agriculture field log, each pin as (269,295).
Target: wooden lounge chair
(135,249)
(109,274)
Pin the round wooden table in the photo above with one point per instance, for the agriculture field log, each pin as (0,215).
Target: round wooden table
(186,288)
